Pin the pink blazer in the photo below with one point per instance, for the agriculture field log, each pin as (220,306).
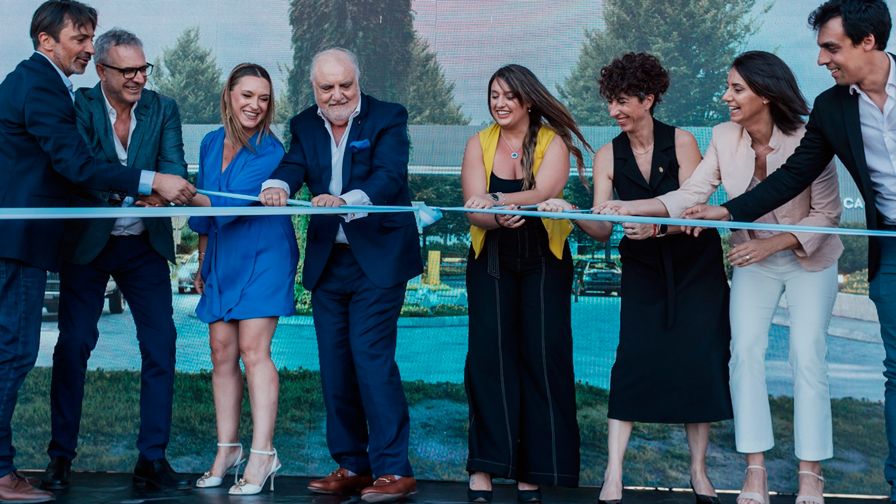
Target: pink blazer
(729,161)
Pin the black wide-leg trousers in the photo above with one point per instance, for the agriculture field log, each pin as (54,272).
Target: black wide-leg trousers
(519,372)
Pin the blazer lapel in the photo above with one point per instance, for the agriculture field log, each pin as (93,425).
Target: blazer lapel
(102,125)
(630,169)
(853,126)
(663,153)
(627,164)
(322,153)
(353,135)
(738,168)
(137,138)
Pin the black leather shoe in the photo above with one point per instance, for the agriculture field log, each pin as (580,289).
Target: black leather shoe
(158,475)
(704,499)
(58,475)
(528,495)
(479,495)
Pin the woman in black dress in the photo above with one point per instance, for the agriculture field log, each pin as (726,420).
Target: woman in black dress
(672,360)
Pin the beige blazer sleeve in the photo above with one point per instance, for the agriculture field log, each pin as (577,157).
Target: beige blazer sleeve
(699,187)
(824,210)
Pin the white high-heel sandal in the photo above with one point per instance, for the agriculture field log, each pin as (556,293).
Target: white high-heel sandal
(755,496)
(243,487)
(811,498)
(209,480)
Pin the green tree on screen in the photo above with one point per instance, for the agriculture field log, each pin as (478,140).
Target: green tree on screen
(395,64)
(695,40)
(430,95)
(189,74)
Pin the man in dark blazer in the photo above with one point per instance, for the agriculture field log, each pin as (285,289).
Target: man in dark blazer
(353,149)
(121,123)
(853,120)
(42,157)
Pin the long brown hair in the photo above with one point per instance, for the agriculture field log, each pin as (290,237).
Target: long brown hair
(232,127)
(543,107)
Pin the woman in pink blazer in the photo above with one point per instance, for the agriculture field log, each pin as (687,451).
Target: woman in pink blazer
(766,108)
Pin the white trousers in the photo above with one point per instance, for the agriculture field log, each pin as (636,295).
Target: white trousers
(755,292)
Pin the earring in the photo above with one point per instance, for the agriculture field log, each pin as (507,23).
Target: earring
(530,109)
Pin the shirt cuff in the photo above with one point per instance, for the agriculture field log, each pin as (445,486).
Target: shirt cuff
(355,197)
(275,183)
(146,179)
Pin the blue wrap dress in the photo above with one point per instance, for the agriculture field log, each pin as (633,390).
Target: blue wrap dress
(250,262)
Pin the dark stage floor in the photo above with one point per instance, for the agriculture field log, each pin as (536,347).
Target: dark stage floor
(95,488)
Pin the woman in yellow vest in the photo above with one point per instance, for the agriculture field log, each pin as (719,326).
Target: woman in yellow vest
(519,373)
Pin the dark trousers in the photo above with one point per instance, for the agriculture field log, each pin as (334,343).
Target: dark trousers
(21,303)
(357,327)
(519,372)
(143,277)
(883,293)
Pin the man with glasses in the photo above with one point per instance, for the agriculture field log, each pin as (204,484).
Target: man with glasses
(121,122)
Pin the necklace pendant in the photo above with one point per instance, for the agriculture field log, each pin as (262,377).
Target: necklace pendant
(514,155)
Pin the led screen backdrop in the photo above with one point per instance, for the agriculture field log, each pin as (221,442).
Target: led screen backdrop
(435,56)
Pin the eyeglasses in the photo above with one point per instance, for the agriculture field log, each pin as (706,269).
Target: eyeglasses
(130,73)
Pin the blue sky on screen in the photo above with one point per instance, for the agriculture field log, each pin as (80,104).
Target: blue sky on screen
(472,37)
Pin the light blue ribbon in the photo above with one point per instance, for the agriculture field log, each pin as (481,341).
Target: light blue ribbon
(585,215)
(427,215)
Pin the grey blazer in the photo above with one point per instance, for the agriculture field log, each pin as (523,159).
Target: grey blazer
(156,144)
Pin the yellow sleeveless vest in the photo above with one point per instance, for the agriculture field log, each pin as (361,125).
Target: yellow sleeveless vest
(558,229)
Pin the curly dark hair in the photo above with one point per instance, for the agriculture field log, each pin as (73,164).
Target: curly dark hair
(634,74)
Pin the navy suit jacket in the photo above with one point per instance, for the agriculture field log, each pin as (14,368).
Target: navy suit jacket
(386,246)
(156,144)
(42,156)
(834,128)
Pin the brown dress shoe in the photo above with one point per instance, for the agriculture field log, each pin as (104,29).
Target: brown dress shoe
(389,488)
(339,482)
(15,488)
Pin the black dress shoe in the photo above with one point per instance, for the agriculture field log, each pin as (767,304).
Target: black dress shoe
(479,495)
(58,475)
(528,495)
(704,499)
(158,475)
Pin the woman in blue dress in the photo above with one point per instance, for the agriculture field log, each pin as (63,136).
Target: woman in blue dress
(247,269)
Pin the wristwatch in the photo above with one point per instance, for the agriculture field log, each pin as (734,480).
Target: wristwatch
(662,230)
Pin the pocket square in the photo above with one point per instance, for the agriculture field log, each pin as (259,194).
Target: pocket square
(359,145)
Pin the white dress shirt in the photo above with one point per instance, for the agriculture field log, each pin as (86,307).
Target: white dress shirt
(125,226)
(879,138)
(337,155)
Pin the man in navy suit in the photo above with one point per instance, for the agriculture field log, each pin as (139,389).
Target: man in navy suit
(42,157)
(121,123)
(353,149)
(856,121)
